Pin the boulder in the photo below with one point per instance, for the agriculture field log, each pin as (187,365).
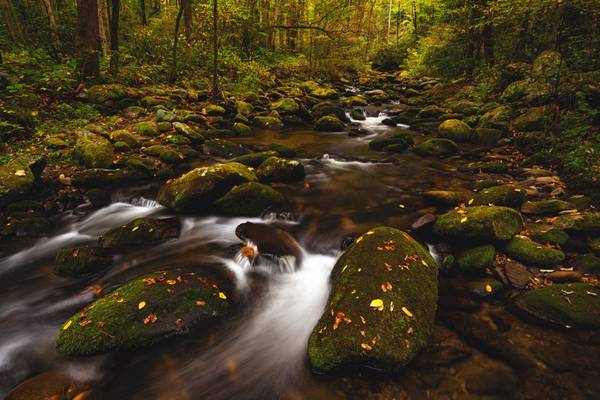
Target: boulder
(199,188)
(328,108)
(147,128)
(244,108)
(545,207)
(523,249)
(267,122)
(498,118)
(432,111)
(587,264)
(580,222)
(241,129)
(489,167)
(381,309)
(329,123)
(548,66)
(503,195)
(214,110)
(530,91)
(224,148)
(324,93)
(255,159)
(286,105)
(141,231)
(77,261)
(94,151)
(276,169)
(476,258)
(546,234)
(436,148)
(534,119)
(479,223)
(446,198)
(166,154)
(18,176)
(401,139)
(486,136)
(249,200)
(142,312)
(455,130)
(187,131)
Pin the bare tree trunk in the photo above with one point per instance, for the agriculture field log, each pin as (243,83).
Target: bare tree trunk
(114,36)
(143,12)
(215,91)
(87,40)
(53,26)
(102,19)
(173,69)
(187,18)
(389,21)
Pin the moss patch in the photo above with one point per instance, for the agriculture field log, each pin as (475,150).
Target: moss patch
(529,252)
(249,199)
(476,258)
(79,261)
(141,231)
(275,169)
(480,222)
(503,195)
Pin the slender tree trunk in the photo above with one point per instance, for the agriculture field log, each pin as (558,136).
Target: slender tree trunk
(215,92)
(415,22)
(8,14)
(87,40)
(102,19)
(187,18)
(173,68)
(143,12)
(53,27)
(389,21)
(114,36)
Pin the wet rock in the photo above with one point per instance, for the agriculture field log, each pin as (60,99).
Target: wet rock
(497,118)
(286,105)
(481,288)
(50,385)
(244,108)
(587,264)
(431,111)
(18,176)
(517,274)
(534,119)
(141,231)
(249,199)
(546,234)
(142,312)
(358,115)
(486,136)
(98,177)
(487,167)
(476,258)
(267,122)
(199,188)
(403,139)
(221,133)
(498,379)
(329,123)
(328,108)
(382,305)
(94,151)
(276,169)
(123,135)
(580,222)
(504,195)
(324,93)
(214,110)
(224,148)
(445,349)
(355,101)
(255,159)
(98,197)
(187,131)
(77,261)
(568,304)
(165,153)
(446,198)
(270,240)
(564,276)
(436,148)
(523,249)
(241,129)
(423,221)
(480,222)
(147,128)
(545,207)
(163,115)
(455,130)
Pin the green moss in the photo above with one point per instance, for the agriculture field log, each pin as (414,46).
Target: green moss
(141,231)
(390,267)
(404,139)
(275,169)
(244,108)
(550,304)
(286,105)
(446,198)
(255,159)
(187,131)
(214,109)
(98,177)
(224,148)
(354,101)
(476,258)
(534,119)
(164,153)
(241,129)
(529,252)
(486,136)
(249,199)
(329,123)
(199,188)
(79,261)
(455,130)
(17,178)
(542,207)
(487,167)
(178,300)
(358,115)
(584,222)
(546,234)
(324,93)
(267,122)
(94,151)
(587,264)
(432,111)
(147,128)
(480,222)
(436,148)
(504,195)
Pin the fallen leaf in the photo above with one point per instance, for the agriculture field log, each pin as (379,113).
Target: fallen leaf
(171,281)
(150,319)
(366,346)
(178,322)
(141,305)
(67,325)
(20,172)
(407,311)
(200,303)
(463,220)
(488,288)
(377,304)
(222,295)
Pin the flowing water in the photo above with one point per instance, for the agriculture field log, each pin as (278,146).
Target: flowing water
(260,352)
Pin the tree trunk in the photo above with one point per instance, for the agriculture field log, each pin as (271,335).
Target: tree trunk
(173,68)
(215,91)
(187,18)
(53,27)
(114,36)
(87,40)
(102,19)
(415,22)
(7,13)
(143,12)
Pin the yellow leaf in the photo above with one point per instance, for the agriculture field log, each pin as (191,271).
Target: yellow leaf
(488,288)
(135,228)
(471,201)
(359,239)
(377,303)
(366,346)
(67,325)
(120,300)
(222,295)
(407,311)
(401,206)
(34,113)
(463,220)
(20,172)
(141,305)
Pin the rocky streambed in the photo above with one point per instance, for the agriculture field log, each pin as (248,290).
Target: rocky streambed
(400,246)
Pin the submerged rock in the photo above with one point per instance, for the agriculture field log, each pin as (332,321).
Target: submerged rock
(199,188)
(479,222)
(270,240)
(142,312)
(529,252)
(249,200)
(141,231)
(224,148)
(276,169)
(564,305)
(382,305)
(401,140)
(77,261)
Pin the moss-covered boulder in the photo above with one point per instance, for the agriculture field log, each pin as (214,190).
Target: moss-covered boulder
(587,264)
(199,188)
(267,122)
(249,200)
(581,222)
(141,231)
(286,105)
(221,133)
(456,130)
(358,115)
(356,101)
(99,177)
(527,251)
(325,93)
(94,151)
(214,110)
(436,147)
(77,261)
(241,129)
(548,65)
(486,136)
(566,305)
(489,167)
(329,108)
(545,207)
(244,108)
(255,159)
(147,128)
(224,148)
(432,111)
(18,176)
(498,118)
(530,91)
(142,312)
(166,154)
(187,131)
(381,309)
(329,123)
(123,135)
(534,119)
(503,195)
(446,198)
(479,223)
(476,258)
(276,169)
(546,234)
(404,139)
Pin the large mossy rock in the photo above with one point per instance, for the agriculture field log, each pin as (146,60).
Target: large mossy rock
(456,130)
(398,140)
(325,93)
(497,118)
(503,195)
(564,305)
(530,91)
(276,169)
(249,200)
(329,123)
(141,231)
(381,309)
(286,105)
(583,222)
(545,207)
(548,65)
(534,119)
(479,223)
(94,151)
(255,159)
(436,148)
(18,176)
(476,258)
(142,312)
(73,262)
(199,188)
(527,251)
(486,136)
(267,122)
